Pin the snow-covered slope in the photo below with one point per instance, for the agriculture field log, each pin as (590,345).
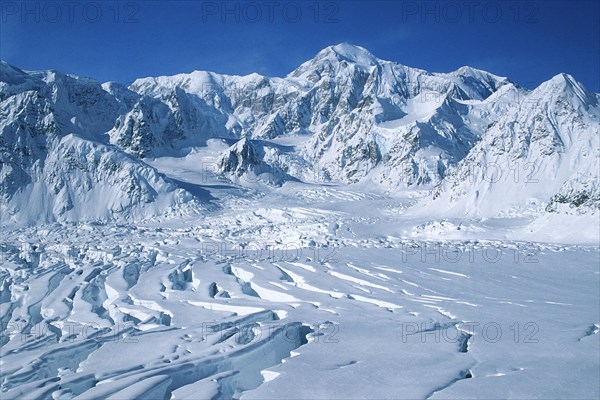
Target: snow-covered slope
(56,162)
(350,118)
(360,113)
(406,124)
(81,180)
(545,150)
(312,292)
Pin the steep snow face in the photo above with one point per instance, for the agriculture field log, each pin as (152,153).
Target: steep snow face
(226,106)
(55,160)
(477,83)
(147,128)
(404,123)
(361,114)
(164,123)
(75,104)
(545,150)
(81,180)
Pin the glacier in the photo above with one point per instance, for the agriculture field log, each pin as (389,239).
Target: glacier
(356,229)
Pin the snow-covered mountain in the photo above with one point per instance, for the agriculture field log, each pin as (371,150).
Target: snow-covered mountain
(544,150)
(74,149)
(401,125)
(361,114)
(214,236)
(56,161)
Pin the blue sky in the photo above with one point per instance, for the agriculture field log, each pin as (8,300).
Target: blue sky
(528,41)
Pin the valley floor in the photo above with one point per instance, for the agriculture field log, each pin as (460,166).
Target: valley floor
(303,291)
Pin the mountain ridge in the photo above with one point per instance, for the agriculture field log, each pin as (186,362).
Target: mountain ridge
(360,118)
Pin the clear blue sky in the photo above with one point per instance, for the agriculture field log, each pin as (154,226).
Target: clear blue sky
(527,41)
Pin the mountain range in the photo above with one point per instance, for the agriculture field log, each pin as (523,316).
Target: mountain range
(475,143)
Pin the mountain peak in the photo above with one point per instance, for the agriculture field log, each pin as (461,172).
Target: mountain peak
(350,52)
(561,85)
(561,79)
(479,74)
(470,71)
(333,56)
(11,74)
(346,52)
(465,69)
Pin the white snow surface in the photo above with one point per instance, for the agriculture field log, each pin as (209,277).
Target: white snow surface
(310,292)
(335,233)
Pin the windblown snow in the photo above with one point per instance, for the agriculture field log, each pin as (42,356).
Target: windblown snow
(355,229)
